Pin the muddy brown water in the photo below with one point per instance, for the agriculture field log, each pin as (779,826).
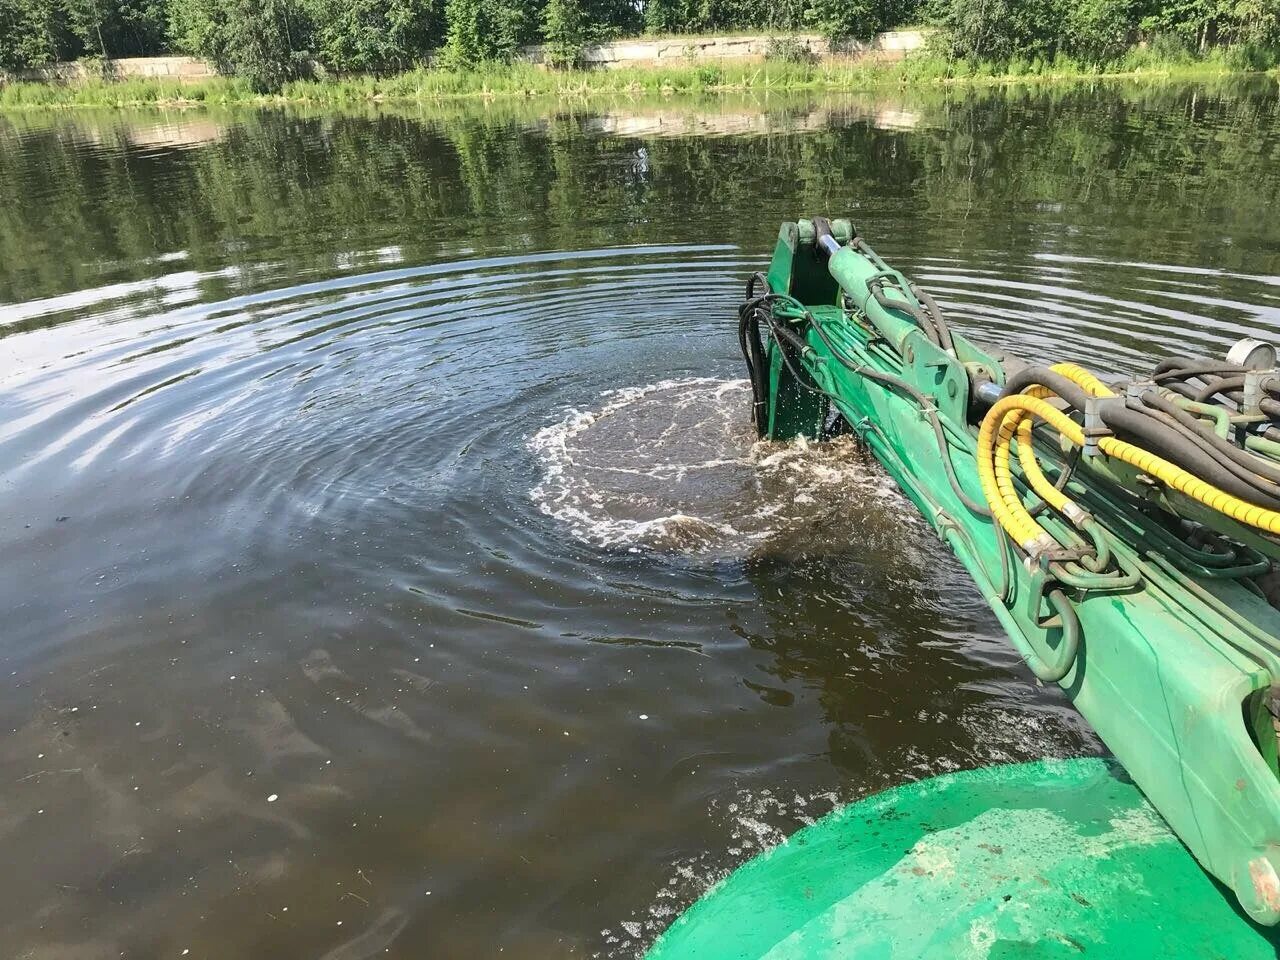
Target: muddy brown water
(386,566)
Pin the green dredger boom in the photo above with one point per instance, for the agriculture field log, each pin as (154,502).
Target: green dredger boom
(1124,535)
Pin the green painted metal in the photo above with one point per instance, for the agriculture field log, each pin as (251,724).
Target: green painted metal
(1175,654)
(1054,859)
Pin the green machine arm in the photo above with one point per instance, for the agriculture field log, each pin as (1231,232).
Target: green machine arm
(1147,613)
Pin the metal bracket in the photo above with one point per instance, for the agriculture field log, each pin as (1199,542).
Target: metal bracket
(1094,428)
(1135,388)
(1251,405)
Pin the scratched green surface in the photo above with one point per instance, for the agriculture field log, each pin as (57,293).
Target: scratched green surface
(1054,859)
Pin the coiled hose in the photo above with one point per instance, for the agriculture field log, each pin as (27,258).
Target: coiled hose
(993,467)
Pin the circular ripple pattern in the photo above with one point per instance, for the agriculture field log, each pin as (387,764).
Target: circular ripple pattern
(408,527)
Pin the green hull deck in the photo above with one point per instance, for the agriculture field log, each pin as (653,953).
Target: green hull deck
(1047,860)
(1137,580)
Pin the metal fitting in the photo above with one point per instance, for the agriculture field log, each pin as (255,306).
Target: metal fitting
(1094,428)
(1135,388)
(1072,511)
(988,391)
(1037,548)
(1253,391)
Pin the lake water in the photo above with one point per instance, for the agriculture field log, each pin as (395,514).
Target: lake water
(386,568)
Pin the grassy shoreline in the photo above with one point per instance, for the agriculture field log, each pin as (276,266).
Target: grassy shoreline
(523,80)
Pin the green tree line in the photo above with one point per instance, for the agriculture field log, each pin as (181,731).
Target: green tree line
(271,41)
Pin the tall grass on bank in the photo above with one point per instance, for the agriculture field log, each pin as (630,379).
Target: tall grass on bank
(525,80)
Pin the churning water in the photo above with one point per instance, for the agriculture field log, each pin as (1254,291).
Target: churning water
(675,465)
(387,565)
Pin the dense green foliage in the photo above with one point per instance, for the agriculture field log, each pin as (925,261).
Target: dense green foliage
(269,43)
(1099,30)
(366,35)
(26,34)
(479,31)
(260,40)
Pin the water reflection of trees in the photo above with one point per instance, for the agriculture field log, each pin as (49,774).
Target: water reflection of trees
(86,202)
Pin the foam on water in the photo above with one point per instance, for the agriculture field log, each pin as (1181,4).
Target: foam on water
(752,822)
(675,465)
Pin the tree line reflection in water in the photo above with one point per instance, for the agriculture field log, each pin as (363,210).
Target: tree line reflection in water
(90,199)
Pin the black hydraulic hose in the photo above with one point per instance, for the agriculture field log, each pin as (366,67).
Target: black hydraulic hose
(1246,460)
(1183,389)
(1193,392)
(1146,430)
(1181,367)
(1068,390)
(753,353)
(863,248)
(1065,472)
(1224,378)
(793,338)
(797,343)
(752,346)
(749,354)
(926,406)
(1217,385)
(931,305)
(1196,370)
(1270,407)
(922,319)
(974,506)
(1242,472)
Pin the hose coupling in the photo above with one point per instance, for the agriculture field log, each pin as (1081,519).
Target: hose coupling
(1135,388)
(1038,548)
(1075,513)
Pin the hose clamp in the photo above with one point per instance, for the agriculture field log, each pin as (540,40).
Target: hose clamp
(1036,548)
(1135,388)
(1094,428)
(1254,381)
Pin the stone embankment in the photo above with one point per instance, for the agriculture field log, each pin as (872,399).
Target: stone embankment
(668,51)
(891,45)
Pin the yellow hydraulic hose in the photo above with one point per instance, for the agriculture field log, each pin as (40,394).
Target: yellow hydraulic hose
(1010,512)
(997,480)
(1024,423)
(1038,482)
(1164,471)
(1015,517)
(1083,379)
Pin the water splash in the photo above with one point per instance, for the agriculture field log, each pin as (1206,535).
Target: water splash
(675,465)
(752,821)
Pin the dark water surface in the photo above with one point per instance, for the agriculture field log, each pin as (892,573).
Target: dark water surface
(385,565)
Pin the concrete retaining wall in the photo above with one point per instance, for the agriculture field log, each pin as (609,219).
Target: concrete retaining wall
(893,45)
(172,68)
